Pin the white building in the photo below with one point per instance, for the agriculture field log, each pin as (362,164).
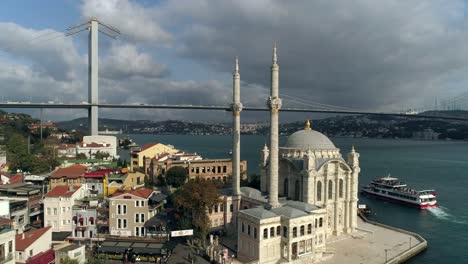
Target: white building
(108,145)
(35,246)
(7,242)
(75,252)
(308,192)
(58,205)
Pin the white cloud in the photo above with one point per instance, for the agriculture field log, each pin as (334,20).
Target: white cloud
(134,21)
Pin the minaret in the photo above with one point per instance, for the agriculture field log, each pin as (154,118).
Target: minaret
(274,103)
(352,190)
(236,109)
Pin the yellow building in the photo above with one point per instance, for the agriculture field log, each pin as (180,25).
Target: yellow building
(149,151)
(126,181)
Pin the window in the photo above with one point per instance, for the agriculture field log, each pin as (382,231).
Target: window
(210,210)
(137,218)
(142,218)
(330,190)
(142,231)
(278,231)
(10,246)
(63,209)
(221,207)
(125,223)
(319,191)
(48,210)
(224,169)
(294,231)
(55,211)
(309,229)
(31,252)
(272,232)
(119,223)
(142,203)
(118,209)
(137,203)
(320,222)
(265,233)
(137,231)
(248,230)
(243,228)
(216,208)
(124,209)
(341,188)
(302,230)
(64,222)
(231,208)
(315,223)
(255,233)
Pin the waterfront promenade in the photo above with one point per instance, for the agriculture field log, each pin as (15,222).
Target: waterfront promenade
(374,243)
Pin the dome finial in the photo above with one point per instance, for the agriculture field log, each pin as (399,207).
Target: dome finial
(307,126)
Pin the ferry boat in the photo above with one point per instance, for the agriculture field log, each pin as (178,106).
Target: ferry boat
(391,189)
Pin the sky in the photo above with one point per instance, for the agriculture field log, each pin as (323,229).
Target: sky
(386,55)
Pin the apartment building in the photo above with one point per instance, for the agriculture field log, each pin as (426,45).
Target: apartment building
(149,150)
(129,210)
(58,204)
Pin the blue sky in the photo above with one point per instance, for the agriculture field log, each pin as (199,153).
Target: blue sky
(383,55)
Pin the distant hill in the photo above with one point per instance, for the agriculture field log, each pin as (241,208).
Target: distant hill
(447,113)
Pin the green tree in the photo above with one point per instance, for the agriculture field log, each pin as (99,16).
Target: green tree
(68,260)
(193,199)
(81,156)
(176,176)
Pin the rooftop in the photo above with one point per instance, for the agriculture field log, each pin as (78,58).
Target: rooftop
(62,191)
(23,241)
(70,247)
(73,171)
(20,189)
(140,192)
(259,212)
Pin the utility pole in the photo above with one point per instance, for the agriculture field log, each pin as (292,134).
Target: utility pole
(93,26)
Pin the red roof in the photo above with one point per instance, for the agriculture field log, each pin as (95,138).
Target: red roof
(5,221)
(140,192)
(73,171)
(62,191)
(43,258)
(147,146)
(30,237)
(94,174)
(66,146)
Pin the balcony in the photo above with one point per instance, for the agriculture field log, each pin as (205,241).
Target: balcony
(81,228)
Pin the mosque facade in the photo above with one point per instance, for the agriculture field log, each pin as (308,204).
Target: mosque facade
(308,191)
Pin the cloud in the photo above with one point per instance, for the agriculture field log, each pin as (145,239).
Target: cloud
(125,61)
(363,54)
(136,22)
(48,51)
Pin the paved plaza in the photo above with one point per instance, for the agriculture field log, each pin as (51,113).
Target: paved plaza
(369,245)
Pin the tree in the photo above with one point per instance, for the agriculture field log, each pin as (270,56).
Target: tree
(80,156)
(68,260)
(193,199)
(176,176)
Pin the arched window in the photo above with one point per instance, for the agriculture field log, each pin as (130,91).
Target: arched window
(320,222)
(309,228)
(341,188)
(302,230)
(272,232)
(315,225)
(319,191)
(243,228)
(278,231)
(330,190)
(265,233)
(285,231)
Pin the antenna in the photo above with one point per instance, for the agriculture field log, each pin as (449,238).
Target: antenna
(93,26)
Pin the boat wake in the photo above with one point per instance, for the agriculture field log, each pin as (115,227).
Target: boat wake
(443,214)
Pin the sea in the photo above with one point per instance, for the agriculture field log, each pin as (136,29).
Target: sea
(439,165)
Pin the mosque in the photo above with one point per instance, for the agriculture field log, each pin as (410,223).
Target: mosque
(308,191)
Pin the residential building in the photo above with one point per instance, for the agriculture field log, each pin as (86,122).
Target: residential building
(87,217)
(130,209)
(95,184)
(125,181)
(7,242)
(149,150)
(35,246)
(58,205)
(25,204)
(221,215)
(209,169)
(74,252)
(68,176)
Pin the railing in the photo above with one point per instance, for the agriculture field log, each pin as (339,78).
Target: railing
(5,259)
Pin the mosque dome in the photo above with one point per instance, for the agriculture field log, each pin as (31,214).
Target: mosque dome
(309,139)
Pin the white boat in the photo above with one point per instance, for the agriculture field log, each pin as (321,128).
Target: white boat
(391,189)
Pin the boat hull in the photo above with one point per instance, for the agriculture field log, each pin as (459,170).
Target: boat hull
(393,200)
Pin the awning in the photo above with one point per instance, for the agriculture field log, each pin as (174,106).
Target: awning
(74,218)
(81,220)
(91,220)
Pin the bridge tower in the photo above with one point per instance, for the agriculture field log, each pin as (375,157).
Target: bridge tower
(93,85)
